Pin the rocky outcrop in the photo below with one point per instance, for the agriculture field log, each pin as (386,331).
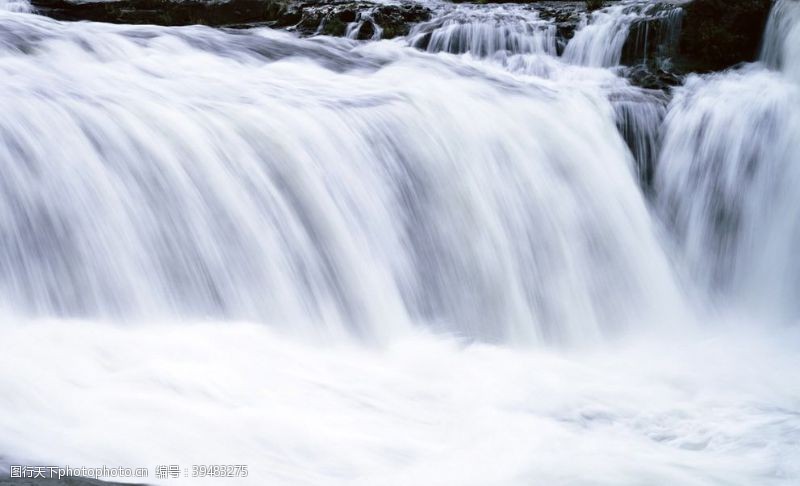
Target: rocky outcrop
(592,5)
(671,39)
(718,34)
(395,20)
(567,16)
(650,77)
(362,19)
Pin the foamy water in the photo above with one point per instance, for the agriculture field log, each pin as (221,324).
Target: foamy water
(714,409)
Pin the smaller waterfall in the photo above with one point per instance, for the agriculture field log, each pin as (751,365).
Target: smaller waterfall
(484,33)
(781,49)
(728,174)
(653,37)
(599,42)
(630,33)
(639,118)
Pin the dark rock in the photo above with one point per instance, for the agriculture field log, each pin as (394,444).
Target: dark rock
(366,30)
(592,5)
(165,12)
(718,34)
(649,77)
(395,20)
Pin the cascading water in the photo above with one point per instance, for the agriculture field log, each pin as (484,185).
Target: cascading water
(599,43)
(727,182)
(382,262)
(20,6)
(782,38)
(654,35)
(157,213)
(728,173)
(639,117)
(631,29)
(482,33)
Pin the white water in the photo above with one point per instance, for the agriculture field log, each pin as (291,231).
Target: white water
(728,176)
(713,410)
(601,40)
(599,43)
(485,32)
(368,201)
(782,38)
(363,263)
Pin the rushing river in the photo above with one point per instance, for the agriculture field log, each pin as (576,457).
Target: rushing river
(467,256)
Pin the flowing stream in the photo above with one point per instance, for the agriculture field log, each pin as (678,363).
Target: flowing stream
(466,256)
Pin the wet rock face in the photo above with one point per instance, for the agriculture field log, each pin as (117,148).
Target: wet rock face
(673,39)
(718,34)
(337,18)
(653,39)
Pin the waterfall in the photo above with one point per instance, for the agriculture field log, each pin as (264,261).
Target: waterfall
(477,254)
(726,182)
(728,174)
(599,43)
(150,213)
(484,33)
(490,208)
(627,32)
(182,193)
